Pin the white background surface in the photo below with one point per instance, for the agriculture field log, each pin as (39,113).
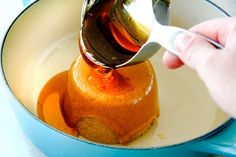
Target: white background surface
(13,142)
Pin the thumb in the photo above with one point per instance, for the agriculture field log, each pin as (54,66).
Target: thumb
(193,50)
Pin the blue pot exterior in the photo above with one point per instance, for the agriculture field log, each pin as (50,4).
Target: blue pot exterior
(221,143)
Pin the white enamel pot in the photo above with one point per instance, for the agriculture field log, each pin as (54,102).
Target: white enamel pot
(43,41)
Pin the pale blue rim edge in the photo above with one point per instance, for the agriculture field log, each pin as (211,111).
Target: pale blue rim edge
(226,123)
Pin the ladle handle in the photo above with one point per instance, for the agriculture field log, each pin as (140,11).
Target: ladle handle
(166,35)
(213,42)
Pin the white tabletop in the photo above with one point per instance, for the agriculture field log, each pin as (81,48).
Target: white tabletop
(13,141)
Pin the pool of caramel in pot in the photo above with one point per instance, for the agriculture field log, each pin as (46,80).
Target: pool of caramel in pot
(50,101)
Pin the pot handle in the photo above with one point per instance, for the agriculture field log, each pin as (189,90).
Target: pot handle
(221,143)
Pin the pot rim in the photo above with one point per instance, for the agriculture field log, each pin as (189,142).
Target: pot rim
(3,77)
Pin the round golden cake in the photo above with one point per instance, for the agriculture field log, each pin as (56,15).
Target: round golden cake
(110,106)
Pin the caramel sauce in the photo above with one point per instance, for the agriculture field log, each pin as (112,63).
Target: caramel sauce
(103,37)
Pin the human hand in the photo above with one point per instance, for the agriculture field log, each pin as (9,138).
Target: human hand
(216,67)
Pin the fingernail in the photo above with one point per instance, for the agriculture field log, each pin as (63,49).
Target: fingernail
(182,42)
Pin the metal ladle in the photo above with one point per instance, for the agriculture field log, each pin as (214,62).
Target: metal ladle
(146,22)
